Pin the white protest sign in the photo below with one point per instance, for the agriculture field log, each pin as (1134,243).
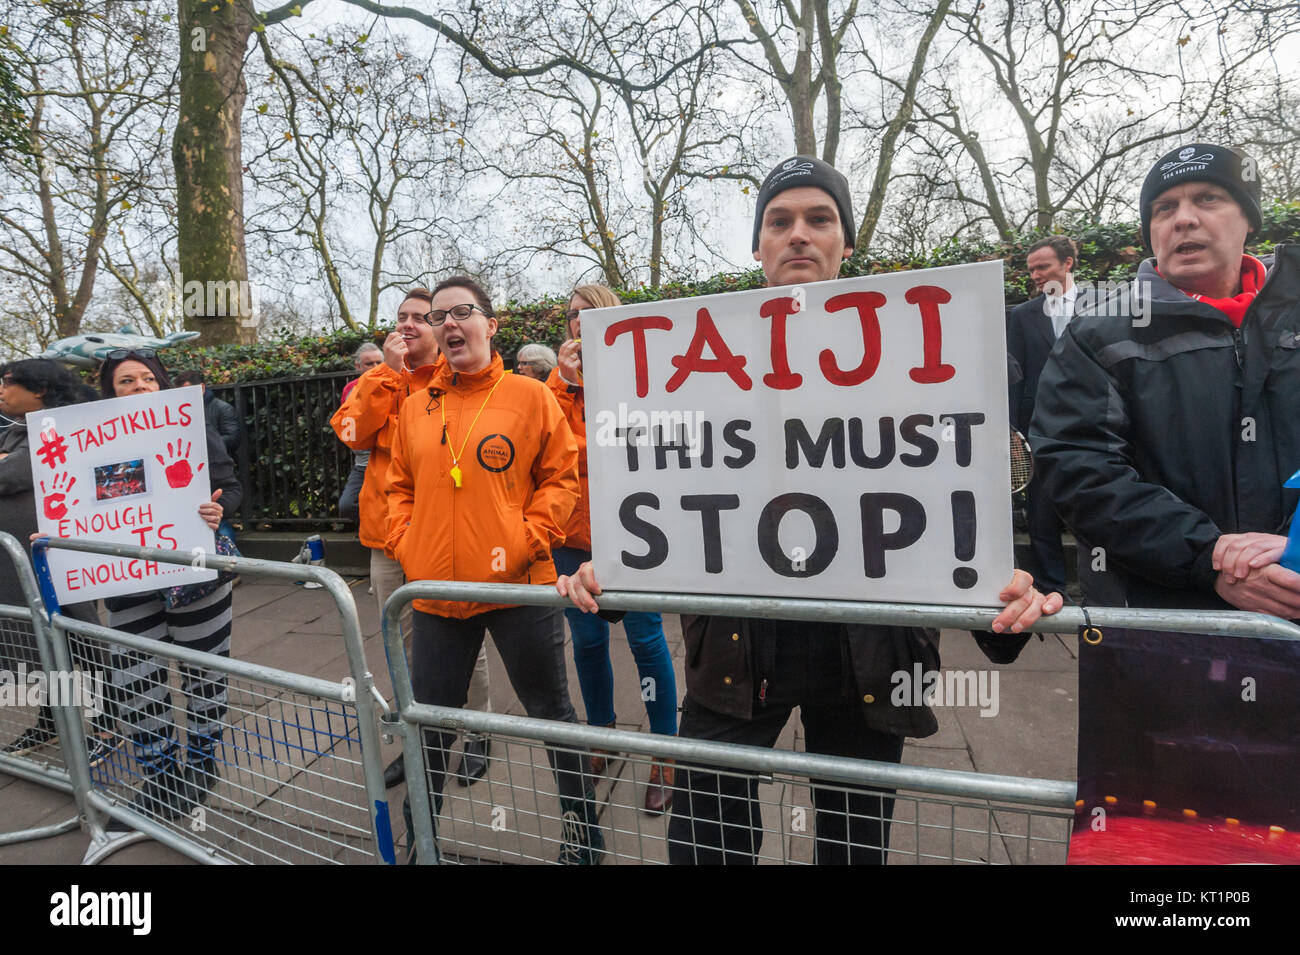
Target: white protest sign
(844,439)
(124,471)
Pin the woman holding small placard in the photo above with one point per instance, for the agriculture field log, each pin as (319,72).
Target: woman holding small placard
(198,616)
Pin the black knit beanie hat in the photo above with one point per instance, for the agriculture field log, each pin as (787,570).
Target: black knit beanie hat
(1200,162)
(807,171)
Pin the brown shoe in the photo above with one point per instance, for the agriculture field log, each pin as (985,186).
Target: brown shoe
(599,760)
(659,789)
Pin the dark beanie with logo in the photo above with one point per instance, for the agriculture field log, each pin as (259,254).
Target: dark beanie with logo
(1200,162)
(807,171)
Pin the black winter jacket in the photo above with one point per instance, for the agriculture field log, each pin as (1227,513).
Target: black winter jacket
(221,474)
(720,667)
(17,504)
(224,420)
(1153,440)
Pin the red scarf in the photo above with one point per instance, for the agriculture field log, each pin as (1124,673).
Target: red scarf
(1252,278)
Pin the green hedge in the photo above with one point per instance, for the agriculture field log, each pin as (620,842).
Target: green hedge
(1107,252)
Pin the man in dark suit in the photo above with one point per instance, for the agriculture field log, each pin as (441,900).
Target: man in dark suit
(1032,330)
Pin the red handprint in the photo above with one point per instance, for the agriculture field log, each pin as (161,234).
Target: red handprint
(57,493)
(179,473)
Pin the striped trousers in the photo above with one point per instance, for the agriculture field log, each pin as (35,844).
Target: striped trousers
(140,680)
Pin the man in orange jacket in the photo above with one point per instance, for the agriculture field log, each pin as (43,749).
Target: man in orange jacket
(367,420)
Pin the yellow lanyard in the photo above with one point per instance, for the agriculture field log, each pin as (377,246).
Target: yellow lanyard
(455,455)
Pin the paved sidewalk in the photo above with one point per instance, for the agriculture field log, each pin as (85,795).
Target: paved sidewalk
(287,627)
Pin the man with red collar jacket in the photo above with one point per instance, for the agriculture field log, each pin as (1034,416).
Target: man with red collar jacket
(1167,417)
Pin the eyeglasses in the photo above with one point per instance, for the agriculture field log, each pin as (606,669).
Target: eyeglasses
(119,353)
(458,312)
(571,314)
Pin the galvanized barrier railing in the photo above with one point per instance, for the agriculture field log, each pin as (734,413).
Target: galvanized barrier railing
(1067,620)
(987,800)
(298,775)
(472,829)
(948,815)
(25,642)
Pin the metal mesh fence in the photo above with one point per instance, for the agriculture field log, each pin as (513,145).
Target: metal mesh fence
(274,775)
(514,815)
(291,465)
(27,729)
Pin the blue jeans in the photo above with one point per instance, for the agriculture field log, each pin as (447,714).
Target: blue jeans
(349,500)
(645,636)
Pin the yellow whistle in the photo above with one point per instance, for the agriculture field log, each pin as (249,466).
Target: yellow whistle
(455,474)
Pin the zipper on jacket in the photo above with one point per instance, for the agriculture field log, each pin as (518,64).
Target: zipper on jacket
(1237,343)
(762,693)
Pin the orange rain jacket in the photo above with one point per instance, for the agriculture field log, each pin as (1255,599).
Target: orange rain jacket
(366,421)
(572,403)
(519,483)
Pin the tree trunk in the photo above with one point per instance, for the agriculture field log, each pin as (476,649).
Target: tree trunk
(830,79)
(659,208)
(209,170)
(800,92)
(901,118)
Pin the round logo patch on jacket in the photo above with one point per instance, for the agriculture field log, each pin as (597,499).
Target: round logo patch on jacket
(496,453)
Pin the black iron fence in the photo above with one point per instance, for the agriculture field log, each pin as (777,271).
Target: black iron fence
(291,464)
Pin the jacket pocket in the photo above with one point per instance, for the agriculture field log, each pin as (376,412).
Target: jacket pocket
(517,558)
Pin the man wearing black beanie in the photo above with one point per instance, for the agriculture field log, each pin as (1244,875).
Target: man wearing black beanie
(1165,442)
(1224,166)
(807,172)
(744,677)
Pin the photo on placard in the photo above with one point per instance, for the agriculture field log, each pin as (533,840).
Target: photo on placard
(125,479)
(1189,752)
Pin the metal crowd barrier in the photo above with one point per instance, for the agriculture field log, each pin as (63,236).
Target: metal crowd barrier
(514,814)
(296,773)
(29,733)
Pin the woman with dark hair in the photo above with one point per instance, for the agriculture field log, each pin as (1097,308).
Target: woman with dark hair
(484,475)
(200,618)
(644,631)
(34,384)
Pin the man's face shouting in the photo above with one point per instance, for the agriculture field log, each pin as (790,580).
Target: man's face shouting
(421,349)
(1198,233)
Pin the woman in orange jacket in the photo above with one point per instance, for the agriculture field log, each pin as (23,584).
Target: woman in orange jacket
(645,631)
(483,479)
(366,421)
